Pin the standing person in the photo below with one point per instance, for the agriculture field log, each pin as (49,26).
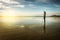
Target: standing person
(44,22)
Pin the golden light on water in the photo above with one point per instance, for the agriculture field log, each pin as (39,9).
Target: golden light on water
(8,19)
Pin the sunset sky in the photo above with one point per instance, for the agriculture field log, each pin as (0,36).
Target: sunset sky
(29,7)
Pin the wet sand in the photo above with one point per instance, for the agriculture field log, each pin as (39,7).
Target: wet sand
(32,31)
(28,34)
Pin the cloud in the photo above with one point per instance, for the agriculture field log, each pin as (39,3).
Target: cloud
(14,2)
(42,1)
(0,5)
(56,5)
(21,6)
(3,6)
(55,1)
(50,1)
(32,6)
(30,0)
(46,1)
(31,3)
(10,1)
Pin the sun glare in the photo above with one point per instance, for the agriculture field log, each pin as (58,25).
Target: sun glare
(9,16)
(9,12)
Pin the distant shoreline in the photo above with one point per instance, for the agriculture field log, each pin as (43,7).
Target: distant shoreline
(29,16)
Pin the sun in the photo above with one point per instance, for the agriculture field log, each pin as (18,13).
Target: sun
(9,16)
(9,12)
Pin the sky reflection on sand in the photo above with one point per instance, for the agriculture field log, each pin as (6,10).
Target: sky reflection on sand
(29,21)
